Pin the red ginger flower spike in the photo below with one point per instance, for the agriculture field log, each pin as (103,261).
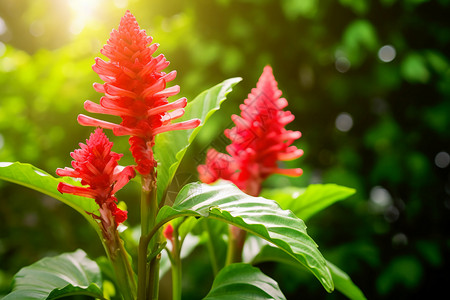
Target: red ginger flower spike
(258,140)
(135,90)
(96,165)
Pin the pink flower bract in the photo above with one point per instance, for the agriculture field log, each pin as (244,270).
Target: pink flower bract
(135,90)
(96,165)
(258,141)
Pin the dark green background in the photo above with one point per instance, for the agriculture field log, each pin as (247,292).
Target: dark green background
(391,237)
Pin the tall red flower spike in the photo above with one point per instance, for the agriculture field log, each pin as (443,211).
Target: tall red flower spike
(258,140)
(135,90)
(96,165)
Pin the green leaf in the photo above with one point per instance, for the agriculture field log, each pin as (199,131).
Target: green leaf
(56,277)
(171,146)
(242,281)
(359,7)
(341,280)
(305,203)
(414,68)
(359,39)
(344,284)
(257,215)
(39,180)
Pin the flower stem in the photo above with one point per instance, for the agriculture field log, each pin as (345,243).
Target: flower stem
(153,278)
(117,254)
(237,235)
(123,270)
(210,247)
(155,248)
(149,210)
(142,267)
(236,242)
(176,266)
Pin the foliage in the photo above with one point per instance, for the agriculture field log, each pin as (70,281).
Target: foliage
(328,55)
(251,283)
(56,277)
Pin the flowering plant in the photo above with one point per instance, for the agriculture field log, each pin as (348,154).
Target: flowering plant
(135,90)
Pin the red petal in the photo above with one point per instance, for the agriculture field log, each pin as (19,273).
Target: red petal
(180,103)
(89,121)
(178,126)
(76,190)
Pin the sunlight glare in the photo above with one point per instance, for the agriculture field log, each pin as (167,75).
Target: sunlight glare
(83,11)
(3,27)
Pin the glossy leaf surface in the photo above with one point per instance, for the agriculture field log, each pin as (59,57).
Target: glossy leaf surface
(242,281)
(57,277)
(342,281)
(304,203)
(260,216)
(39,180)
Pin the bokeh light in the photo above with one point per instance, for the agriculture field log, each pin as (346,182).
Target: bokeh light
(344,122)
(37,28)
(387,53)
(368,83)
(2,49)
(442,159)
(342,64)
(3,27)
(380,199)
(399,239)
(2,141)
(120,3)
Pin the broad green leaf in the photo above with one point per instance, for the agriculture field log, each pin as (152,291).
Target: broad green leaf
(39,180)
(341,280)
(242,281)
(56,277)
(171,146)
(257,215)
(305,203)
(344,284)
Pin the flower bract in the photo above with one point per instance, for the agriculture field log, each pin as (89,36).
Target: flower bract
(135,90)
(101,176)
(259,140)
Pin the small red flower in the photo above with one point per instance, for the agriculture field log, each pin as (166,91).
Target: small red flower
(96,165)
(168,233)
(258,141)
(135,90)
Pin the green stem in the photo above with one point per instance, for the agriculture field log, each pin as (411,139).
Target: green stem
(211,250)
(142,267)
(176,266)
(123,270)
(153,278)
(236,242)
(117,254)
(237,235)
(155,246)
(149,209)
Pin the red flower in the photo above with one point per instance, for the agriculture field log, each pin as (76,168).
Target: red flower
(135,90)
(100,176)
(258,141)
(168,232)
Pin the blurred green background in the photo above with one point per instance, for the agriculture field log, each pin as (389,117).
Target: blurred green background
(368,82)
